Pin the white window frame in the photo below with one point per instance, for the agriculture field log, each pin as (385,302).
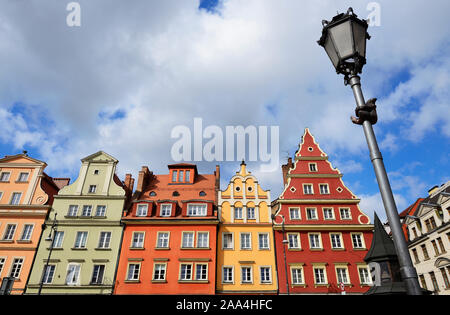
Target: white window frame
(297,210)
(199,212)
(92,189)
(106,241)
(325,216)
(164,212)
(319,235)
(186,240)
(312,167)
(228,281)
(140,237)
(197,265)
(297,236)
(339,275)
(27,237)
(199,245)
(13,200)
(361,239)
(231,242)
(48,273)
(72,211)
(2,175)
(341,209)
(325,279)
(164,239)
(100,211)
(339,240)
(241,240)
(142,210)
(267,241)
(314,211)
(76,271)
(86,211)
(251,214)
(58,238)
(367,276)
(184,277)
(261,278)
(23,180)
(238,213)
(299,271)
(16,267)
(325,191)
(135,277)
(79,237)
(99,276)
(7,235)
(306,191)
(250,269)
(158,268)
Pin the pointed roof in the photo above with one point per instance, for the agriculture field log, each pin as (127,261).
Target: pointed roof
(23,155)
(382,247)
(309,147)
(106,157)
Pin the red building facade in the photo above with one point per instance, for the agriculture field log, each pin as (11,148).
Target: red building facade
(326,235)
(169,241)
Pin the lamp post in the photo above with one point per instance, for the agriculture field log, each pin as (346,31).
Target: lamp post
(50,238)
(344,40)
(285,242)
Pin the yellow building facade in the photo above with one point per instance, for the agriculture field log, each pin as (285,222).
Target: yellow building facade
(245,248)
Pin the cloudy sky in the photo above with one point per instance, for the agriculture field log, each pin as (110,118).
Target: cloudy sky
(133,71)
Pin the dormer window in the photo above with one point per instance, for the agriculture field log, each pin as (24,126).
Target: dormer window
(142,210)
(196,210)
(202,193)
(175,193)
(152,194)
(174,176)
(180,177)
(187,176)
(182,173)
(166,210)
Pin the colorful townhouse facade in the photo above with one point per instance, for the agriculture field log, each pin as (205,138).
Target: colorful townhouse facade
(321,234)
(428,231)
(26,196)
(169,242)
(79,249)
(245,247)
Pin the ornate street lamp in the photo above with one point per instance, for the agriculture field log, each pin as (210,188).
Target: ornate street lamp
(344,39)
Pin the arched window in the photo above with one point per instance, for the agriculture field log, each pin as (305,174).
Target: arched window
(175,193)
(202,193)
(152,194)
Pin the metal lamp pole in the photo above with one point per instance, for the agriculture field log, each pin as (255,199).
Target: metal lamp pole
(52,228)
(285,241)
(407,270)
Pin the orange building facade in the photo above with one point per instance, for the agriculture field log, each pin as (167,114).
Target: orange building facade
(26,196)
(169,240)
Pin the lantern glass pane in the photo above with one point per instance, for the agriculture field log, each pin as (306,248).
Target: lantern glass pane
(331,51)
(343,39)
(359,32)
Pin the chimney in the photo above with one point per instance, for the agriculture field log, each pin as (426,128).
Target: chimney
(285,169)
(143,178)
(129,182)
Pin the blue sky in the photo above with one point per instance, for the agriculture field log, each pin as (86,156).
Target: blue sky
(124,79)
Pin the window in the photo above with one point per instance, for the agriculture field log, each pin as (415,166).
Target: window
(227,241)
(323,188)
(297,275)
(319,275)
(174,176)
(336,241)
(201,272)
(15,198)
(430,224)
(138,240)
(294,213)
(92,189)
(57,240)
(73,210)
(263,240)
(159,272)
(27,231)
(1,194)
(186,272)
(416,256)
(49,272)
(2,264)
(345,213)
(436,250)
(423,283)
(246,274)
(314,241)
(188,240)
(202,194)
(425,251)
(441,245)
(246,242)
(357,240)
(9,232)
(152,194)
(4,176)
(328,213)
(251,213)
(175,193)
(104,240)
(97,274)
(80,241)
(16,267)
(434,281)
(73,274)
(142,210)
(101,211)
(203,240)
(238,213)
(180,178)
(87,210)
(95,172)
(364,275)
(445,278)
(23,177)
(342,276)
(312,167)
(187,176)
(265,275)
(311,213)
(133,272)
(163,240)
(308,189)
(227,274)
(196,210)
(293,240)
(166,210)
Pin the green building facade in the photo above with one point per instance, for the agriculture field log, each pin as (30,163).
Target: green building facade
(87,233)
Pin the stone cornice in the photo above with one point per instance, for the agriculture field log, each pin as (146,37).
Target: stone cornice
(324,227)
